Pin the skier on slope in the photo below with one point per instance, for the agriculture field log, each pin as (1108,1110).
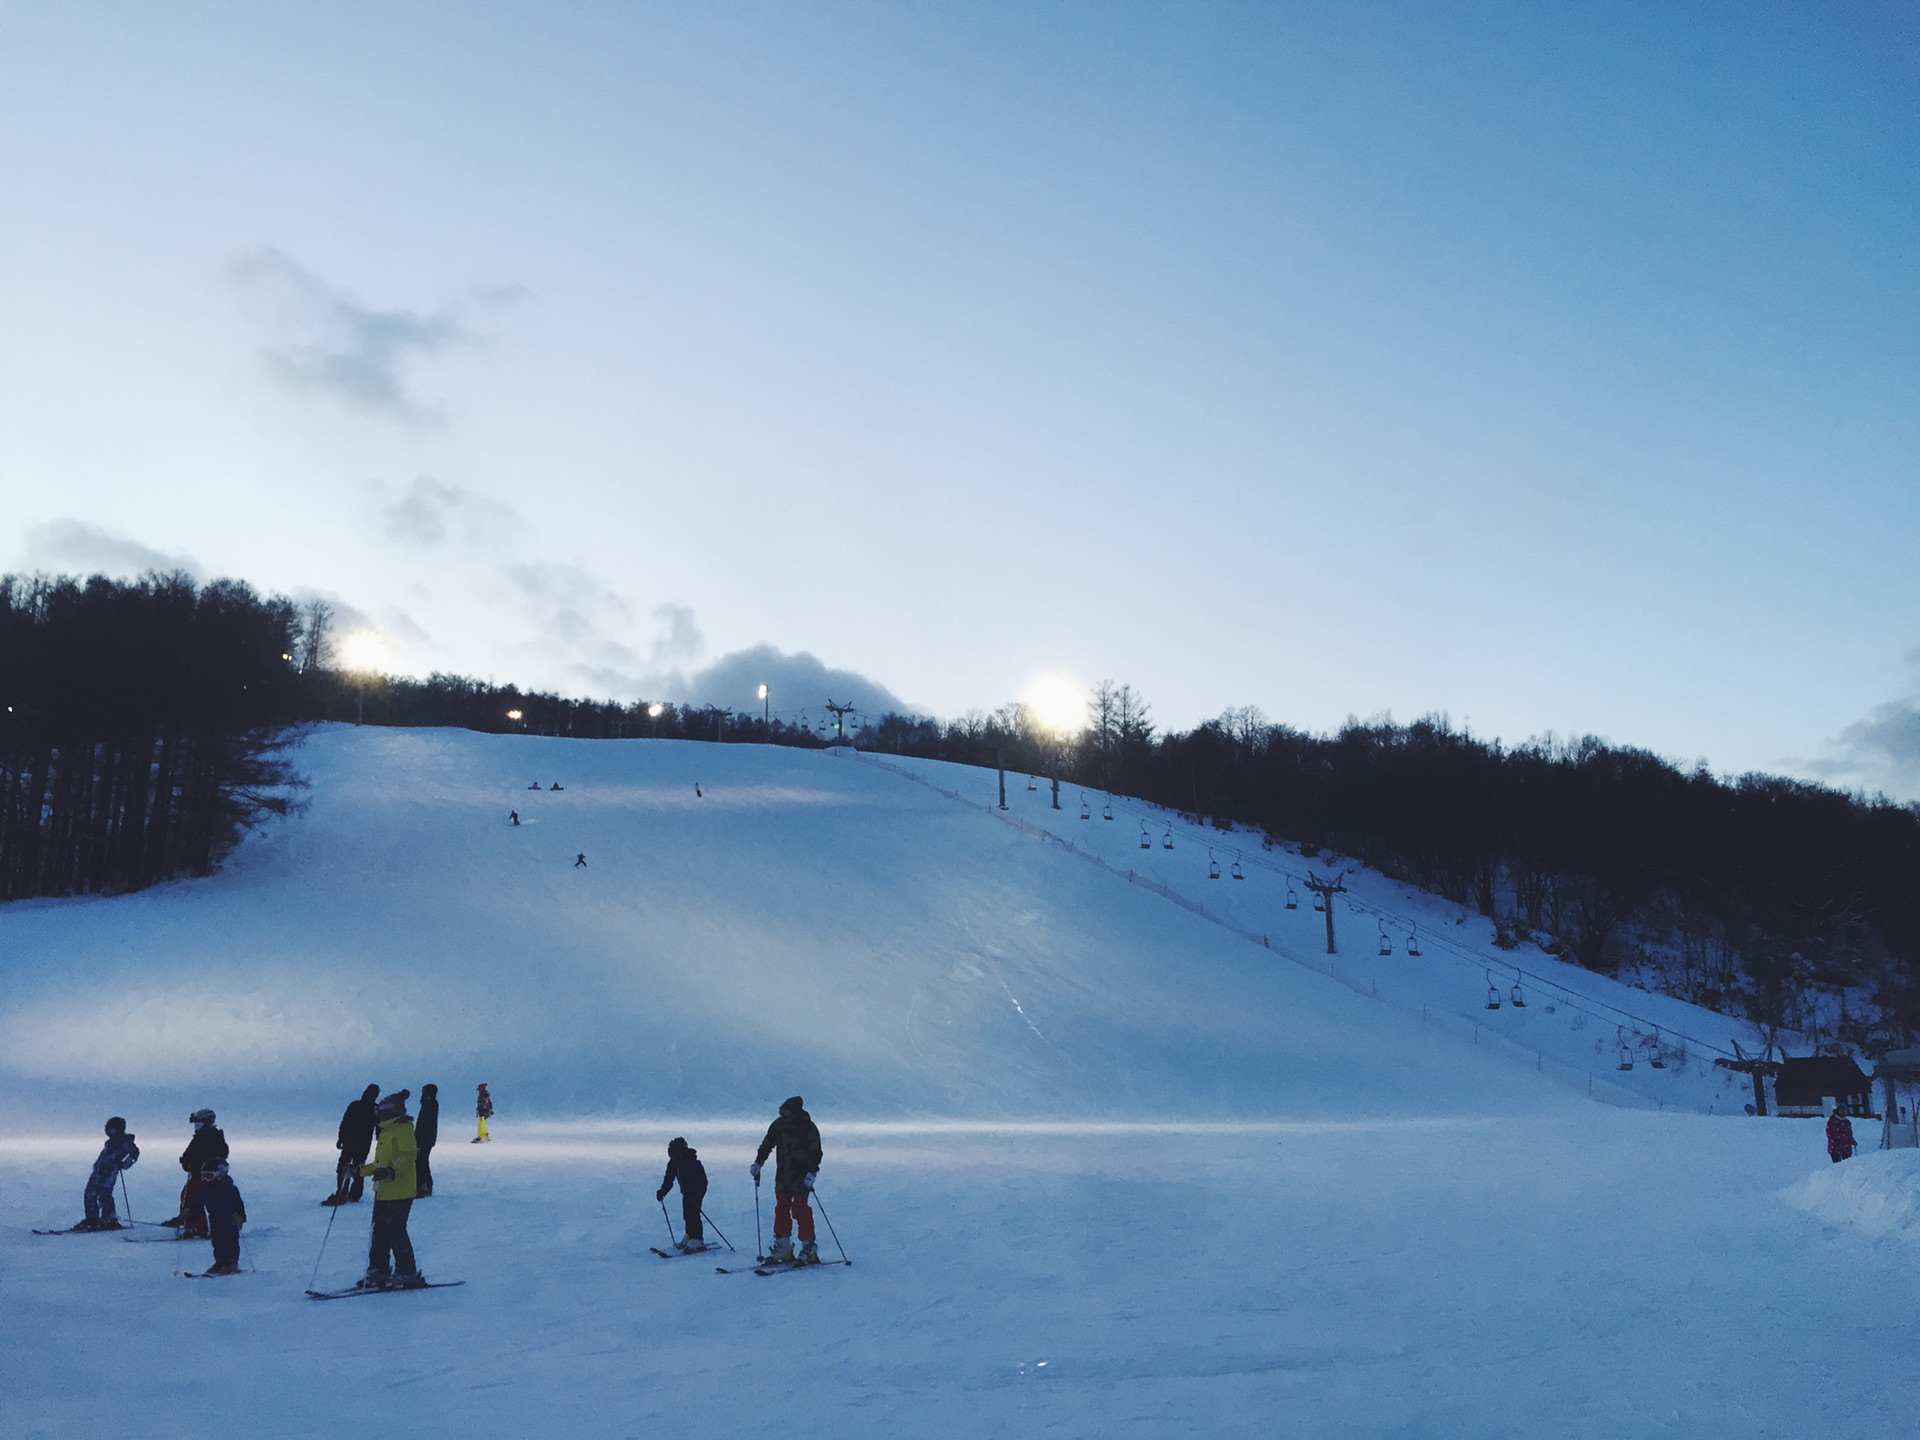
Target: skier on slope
(116,1155)
(354,1140)
(797,1138)
(390,1260)
(226,1213)
(683,1165)
(426,1134)
(208,1143)
(1839,1136)
(483,1109)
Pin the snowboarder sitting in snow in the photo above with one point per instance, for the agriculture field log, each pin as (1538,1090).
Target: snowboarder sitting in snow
(797,1138)
(1839,1136)
(390,1260)
(116,1155)
(353,1141)
(226,1213)
(207,1144)
(683,1165)
(483,1108)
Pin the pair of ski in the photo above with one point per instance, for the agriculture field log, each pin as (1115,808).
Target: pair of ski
(349,1293)
(767,1266)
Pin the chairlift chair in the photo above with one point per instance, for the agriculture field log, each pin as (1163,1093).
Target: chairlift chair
(1626,1055)
(1413,943)
(1106,811)
(1519,1000)
(1213,867)
(1386,945)
(1166,840)
(1293,900)
(1657,1061)
(1033,782)
(1493,993)
(1146,840)
(1236,872)
(1086,812)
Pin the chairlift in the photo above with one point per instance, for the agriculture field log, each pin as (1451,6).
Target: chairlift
(1033,782)
(1166,840)
(1213,867)
(1413,942)
(1086,812)
(1236,872)
(1319,903)
(1493,993)
(1106,811)
(1386,945)
(1658,1061)
(1293,900)
(1146,840)
(1626,1055)
(1519,1001)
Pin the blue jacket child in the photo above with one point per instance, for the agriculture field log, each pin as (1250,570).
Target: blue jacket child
(116,1155)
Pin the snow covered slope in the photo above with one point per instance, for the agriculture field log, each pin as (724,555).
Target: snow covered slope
(750,922)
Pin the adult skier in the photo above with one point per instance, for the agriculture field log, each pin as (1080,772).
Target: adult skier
(354,1140)
(683,1165)
(797,1138)
(390,1260)
(226,1213)
(426,1134)
(1839,1136)
(116,1155)
(483,1108)
(208,1143)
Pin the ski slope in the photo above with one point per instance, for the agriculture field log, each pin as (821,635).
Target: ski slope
(1117,1149)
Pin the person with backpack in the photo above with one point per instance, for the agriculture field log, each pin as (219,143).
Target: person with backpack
(208,1143)
(797,1139)
(390,1262)
(354,1140)
(684,1167)
(426,1134)
(117,1155)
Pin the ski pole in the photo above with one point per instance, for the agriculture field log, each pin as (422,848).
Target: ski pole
(830,1230)
(669,1219)
(332,1213)
(125,1199)
(716,1230)
(759,1246)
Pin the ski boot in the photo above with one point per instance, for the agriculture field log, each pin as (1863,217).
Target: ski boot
(374,1280)
(411,1280)
(781,1253)
(221,1270)
(690,1247)
(809,1254)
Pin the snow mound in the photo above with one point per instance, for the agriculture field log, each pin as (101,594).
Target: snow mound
(1877,1194)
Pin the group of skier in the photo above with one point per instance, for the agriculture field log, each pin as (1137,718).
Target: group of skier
(794,1140)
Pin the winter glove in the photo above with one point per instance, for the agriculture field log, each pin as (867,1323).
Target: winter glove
(384,1173)
(661,1196)
(812,1175)
(754,1169)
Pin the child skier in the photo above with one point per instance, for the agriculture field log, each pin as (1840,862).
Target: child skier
(116,1155)
(226,1213)
(797,1138)
(1839,1136)
(207,1144)
(683,1164)
(390,1260)
(482,1107)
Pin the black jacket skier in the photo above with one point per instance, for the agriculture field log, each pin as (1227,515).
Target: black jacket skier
(426,1134)
(797,1139)
(683,1165)
(207,1146)
(354,1141)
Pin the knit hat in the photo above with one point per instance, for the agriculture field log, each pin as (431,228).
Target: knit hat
(677,1145)
(391,1108)
(115,1125)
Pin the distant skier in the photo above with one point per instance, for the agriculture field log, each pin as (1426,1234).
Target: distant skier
(426,1134)
(580,861)
(797,1138)
(534,786)
(556,786)
(390,1259)
(354,1141)
(1839,1136)
(514,816)
(226,1213)
(698,794)
(683,1165)
(118,1154)
(207,1144)
(483,1108)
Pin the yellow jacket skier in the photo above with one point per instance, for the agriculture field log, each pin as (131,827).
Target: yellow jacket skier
(390,1261)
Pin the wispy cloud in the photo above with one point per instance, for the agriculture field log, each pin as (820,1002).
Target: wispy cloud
(1878,753)
(430,510)
(327,344)
(73,545)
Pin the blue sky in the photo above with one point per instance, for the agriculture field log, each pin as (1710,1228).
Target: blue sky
(1554,367)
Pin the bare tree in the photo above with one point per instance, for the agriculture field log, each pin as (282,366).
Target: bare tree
(315,646)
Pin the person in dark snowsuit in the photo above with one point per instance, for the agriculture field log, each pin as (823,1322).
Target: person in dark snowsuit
(1839,1136)
(683,1165)
(426,1134)
(207,1144)
(226,1213)
(354,1140)
(116,1155)
(797,1138)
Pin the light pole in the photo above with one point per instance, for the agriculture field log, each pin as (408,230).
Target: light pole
(766,711)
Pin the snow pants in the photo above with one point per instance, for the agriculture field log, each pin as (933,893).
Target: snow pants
(392,1249)
(99,1197)
(483,1129)
(788,1208)
(349,1183)
(193,1208)
(690,1203)
(422,1173)
(226,1239)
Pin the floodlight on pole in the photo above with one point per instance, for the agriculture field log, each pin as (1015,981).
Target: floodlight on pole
(766,709)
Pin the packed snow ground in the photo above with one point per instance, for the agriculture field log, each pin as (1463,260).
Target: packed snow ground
(1106,1167)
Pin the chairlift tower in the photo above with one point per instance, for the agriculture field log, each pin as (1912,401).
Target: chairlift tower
(840,713)
(1326,890)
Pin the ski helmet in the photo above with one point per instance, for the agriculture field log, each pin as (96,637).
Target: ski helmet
(116,1125)
(677,1145)
(201,1117)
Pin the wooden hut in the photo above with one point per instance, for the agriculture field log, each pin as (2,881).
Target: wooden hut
(1816,1083)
